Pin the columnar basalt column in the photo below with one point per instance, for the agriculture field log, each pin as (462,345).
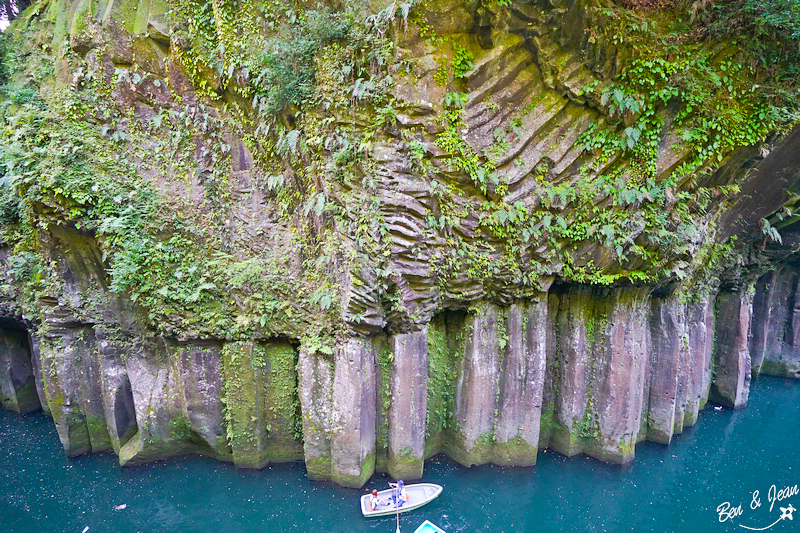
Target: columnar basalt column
(200,368)
(260,395)
(521,383)
(781,355)
(731,385)
(620,352)
(759,328)
(36,364)
(789,363)
(700,337)
(120,413)
(408,386)
(666,321)
(71,374)
(315,388)
(353,415)
(445,348)
(476,388)
(157,388)
(572,362)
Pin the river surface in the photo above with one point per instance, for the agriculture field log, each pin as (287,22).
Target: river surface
(725,457)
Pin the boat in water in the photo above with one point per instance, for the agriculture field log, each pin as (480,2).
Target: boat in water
(418,495)
(429,527)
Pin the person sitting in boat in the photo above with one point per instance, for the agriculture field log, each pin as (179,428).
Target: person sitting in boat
(401,491)
(375,501)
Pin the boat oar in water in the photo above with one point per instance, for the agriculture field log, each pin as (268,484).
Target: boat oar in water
(397,507)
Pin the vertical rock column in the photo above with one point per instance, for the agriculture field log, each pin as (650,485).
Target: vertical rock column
(408,386)
(790,356)
(36,363)
(353,414)
(779,357)
(700,343)
(731,384)
(761,319)
(573,329)
(316,386)
(120,413)
(244,390)
(476,389)
(71,376)
(260,399)
(17,383)
(201,379)
(667,325)
(157,389)
(620,361)
(445,346)
(521,383)
(782,357)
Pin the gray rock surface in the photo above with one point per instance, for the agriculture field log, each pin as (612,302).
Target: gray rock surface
(732,372)
(353,412)
(408,387)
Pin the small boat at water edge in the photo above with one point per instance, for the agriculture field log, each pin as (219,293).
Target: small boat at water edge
(418,495)
(428,527)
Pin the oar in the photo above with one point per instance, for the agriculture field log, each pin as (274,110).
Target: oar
(397,507)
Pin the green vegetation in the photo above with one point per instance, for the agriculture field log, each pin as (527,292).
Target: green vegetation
(311,94)
(442,369)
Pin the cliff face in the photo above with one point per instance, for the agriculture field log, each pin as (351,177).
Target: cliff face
(367,235)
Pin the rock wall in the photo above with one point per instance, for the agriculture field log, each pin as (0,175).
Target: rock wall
(775,341)
(459,261)
(578,369)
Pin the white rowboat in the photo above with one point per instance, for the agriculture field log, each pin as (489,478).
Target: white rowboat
(418,495)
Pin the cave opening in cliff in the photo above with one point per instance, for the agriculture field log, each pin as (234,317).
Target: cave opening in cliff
(17,382)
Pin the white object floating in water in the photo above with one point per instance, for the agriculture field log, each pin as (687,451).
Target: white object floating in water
(120,507)
(85,529)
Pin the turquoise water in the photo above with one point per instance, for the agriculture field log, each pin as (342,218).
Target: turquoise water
(725,457)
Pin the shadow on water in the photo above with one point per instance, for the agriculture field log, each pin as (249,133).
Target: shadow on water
(724,458)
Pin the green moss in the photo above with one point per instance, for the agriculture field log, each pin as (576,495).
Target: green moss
(367,469)
(356,481)
(565,440)
(546,420)
(241,391)
(180,428)
(780,368)
(78,441)
(261,403)
(405,465)
(627,450)
(319,467)
(98,432)
(7,402)
(55,399)
(515,452)
(443,361)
